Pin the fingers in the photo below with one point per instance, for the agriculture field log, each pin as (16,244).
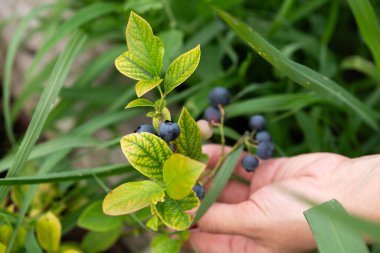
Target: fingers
(237,219)
(214,243)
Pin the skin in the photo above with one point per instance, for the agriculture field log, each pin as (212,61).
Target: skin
(267,216)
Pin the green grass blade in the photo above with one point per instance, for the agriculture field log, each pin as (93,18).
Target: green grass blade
(42,110)
(81,17)
(333,235)
(72,175)
(220,180)
(369,26)
(297,72)
(274,103)
(52,146)
(9,60)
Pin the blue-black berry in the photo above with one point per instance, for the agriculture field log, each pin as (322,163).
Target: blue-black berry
(169,131)
(265,150)
(250,163)
(146,129)
(263,136)
(212,115)
(199,190)
(257,122)
(219,96)
(172,147)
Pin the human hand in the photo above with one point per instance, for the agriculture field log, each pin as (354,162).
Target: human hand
(266,217)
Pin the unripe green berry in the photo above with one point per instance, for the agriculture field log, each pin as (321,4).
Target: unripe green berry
(205,128)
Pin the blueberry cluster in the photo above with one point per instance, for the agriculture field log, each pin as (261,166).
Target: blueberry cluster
(263,141)
(218,96)
(168,131)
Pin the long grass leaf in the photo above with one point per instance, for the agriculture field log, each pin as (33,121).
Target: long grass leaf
(81,17)
(72,175)
(219,182)
(333,235)
(299,73)
(52,146)
(44,105)
(9,60)
(369,26)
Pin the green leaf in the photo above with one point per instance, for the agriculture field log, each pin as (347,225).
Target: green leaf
(300,74)
(100,241)
(146,153)
(172,212)
(334,235)
(139,102)
(181,68)
(152,223)
(48,230)
(31,244)
(164,244)
(146,49)
(128,67)
(368,23)
(93,218)
(132,196)
(3,248)
(219,182)
(180,175)
(189,141)
(144,86)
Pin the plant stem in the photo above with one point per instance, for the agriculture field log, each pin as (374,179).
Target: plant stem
(221,127)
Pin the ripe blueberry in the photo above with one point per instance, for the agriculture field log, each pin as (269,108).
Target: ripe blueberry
(257,122)
(205,129)
(265,150)
(199,190)
(212,115)
(169,131)
(250,163)
(219,96)
(146,129)
(263,136)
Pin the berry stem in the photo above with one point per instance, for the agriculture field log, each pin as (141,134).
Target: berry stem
(223,157)
(221,127)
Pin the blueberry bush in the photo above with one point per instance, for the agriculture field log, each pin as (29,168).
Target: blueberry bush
(276,78)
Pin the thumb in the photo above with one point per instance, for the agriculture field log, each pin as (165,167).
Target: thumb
(237,219)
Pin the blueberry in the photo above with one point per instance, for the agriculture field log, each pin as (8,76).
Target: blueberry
(219,96)
(205,129)
(146,129)
(169,131)
(257,122)
(199,190)
(263,136)
(172,147)
(212,115)
(250,163)
(265,150)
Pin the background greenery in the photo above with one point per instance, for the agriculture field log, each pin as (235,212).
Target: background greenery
(339,39)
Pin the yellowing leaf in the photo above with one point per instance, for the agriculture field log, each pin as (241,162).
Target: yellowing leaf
(146,49)
(158,120)
(189,142)
(139,102)
(128,67)
(48,230)
(181,68)
(132,196)
(152,223)
(144,86)
(93,218)
(172,212)
(146,153)
(180,175)
(3,248)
